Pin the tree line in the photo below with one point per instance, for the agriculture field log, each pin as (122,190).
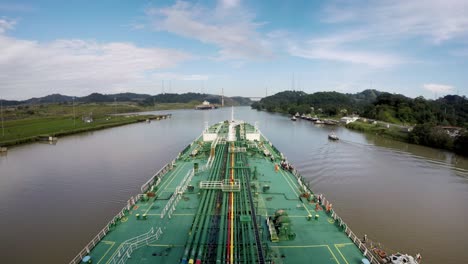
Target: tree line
(429,117)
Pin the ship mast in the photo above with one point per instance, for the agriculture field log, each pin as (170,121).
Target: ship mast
(232,114)
(222,97)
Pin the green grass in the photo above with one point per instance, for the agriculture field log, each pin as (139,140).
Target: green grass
(392,132)
(27,123)
(94,109)
(29,130)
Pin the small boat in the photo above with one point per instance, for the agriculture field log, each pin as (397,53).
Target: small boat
(293,118)
(297,114)
(332,136)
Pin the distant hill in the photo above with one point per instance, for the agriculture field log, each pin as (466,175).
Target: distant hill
(144,99)
(190,97)
(394,108)
(53,98)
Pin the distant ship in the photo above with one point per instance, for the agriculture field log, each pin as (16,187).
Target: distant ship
(205,106)
(231,197)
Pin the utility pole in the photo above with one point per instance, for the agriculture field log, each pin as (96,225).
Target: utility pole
(74,116)
(115,105)
(1,114)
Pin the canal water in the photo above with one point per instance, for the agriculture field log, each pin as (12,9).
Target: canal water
(55,198)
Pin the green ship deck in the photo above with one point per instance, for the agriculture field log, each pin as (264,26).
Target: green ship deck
(226,199)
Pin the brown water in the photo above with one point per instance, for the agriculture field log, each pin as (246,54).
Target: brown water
(55,198)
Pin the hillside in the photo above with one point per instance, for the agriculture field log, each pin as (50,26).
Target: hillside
(327,103)
(143,99)
(395,108)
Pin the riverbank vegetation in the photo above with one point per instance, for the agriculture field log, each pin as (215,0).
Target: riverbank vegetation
(379,129)
(35,129)
(440,123)
(28,123)
(58,115)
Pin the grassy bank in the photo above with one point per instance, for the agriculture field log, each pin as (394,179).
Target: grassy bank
(378,129)
(30,130)
(28,123)
(29,112)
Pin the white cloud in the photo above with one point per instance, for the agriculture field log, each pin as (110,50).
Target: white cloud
(180,77)
(438,20)
(6,24)
(229,3)
(438,88)
(233,31)
(338,47)
(30,68)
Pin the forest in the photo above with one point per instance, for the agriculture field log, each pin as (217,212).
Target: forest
(428,117)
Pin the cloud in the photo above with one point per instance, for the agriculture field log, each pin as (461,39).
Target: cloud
(180,77)
(233,31)
(377,60)
(438,88)
(437,20)
(30,68)
(229,3)
(338,47)
(6,24)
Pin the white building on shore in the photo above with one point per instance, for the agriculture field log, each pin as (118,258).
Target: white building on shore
(348,119)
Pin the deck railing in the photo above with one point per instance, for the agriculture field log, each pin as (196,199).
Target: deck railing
(127,248)
(362,246)
(87,249)
(156,176)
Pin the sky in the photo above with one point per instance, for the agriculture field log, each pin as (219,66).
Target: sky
(244,48)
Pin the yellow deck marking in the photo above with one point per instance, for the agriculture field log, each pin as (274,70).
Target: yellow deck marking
(115,252)
(345,244)
(179,169)
(288,181)
(337,262)
(162,245)
(339,251)
(112,243)
(311,246)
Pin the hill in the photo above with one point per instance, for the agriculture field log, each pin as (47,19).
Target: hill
(143,99)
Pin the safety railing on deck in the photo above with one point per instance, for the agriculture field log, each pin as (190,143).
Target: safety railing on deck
(127,248)
(172,203)
(87,249)
(224,185)
(154,179)
(362,246)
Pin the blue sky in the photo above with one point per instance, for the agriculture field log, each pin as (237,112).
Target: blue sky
(244,47)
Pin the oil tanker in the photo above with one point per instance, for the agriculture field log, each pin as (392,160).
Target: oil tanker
(231,197)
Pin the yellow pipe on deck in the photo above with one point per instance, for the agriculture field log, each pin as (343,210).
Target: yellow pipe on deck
(231,258)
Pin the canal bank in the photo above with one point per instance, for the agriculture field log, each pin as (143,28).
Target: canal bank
(49,129)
